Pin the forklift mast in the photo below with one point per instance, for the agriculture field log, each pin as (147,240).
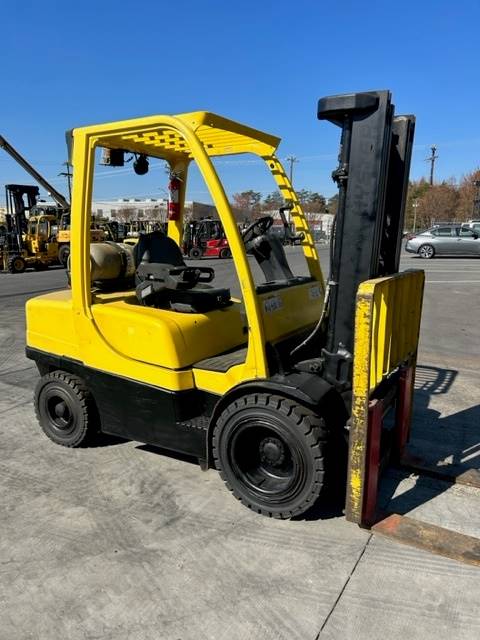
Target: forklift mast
(372,177)
(17,208)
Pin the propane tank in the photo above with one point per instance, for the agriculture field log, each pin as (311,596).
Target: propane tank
(111,261)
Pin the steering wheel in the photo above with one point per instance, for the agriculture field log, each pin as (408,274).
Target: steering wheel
(257,228)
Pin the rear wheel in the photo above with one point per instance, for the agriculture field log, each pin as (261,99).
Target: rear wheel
(65,408)
(63,254)
(16,264)
(270,452)
(195,253)
(426,251)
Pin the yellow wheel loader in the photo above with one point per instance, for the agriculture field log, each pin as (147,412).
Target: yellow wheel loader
(263,387)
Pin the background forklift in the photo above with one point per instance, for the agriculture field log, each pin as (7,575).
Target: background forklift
(205,237)
(262,388)
(30,231)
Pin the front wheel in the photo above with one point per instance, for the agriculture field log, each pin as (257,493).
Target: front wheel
(270,451)
(63,254)
(16,264)
(426,251)
(195,253)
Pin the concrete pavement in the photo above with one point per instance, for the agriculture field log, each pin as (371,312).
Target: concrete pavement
(118,542)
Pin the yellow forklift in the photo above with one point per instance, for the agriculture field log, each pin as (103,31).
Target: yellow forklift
(268,389)
(28,241)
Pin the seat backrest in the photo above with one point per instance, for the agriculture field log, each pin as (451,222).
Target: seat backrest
(157,247)
(270,255)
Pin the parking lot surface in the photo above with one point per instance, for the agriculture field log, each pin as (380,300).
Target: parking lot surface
(121,542)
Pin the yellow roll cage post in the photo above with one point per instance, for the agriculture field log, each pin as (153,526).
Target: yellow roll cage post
(180,139)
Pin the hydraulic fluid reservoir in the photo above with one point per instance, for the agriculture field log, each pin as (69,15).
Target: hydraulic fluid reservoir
(111,261)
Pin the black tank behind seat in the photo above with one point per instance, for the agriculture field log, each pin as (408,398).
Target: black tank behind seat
(164,280)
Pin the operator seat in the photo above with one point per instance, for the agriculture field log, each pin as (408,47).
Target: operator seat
(165,281)
(159,248)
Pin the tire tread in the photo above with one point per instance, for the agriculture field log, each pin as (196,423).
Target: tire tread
(84,398)
(310,425)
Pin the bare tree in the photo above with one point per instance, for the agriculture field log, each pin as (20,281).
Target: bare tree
(439,203)
(272,201)
(155,212)
(311,201)
(126,214)
(468,192)
(247,203)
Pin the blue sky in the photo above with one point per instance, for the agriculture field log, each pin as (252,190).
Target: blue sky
(262,62)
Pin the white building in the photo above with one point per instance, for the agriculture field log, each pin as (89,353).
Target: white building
(320,223)
(125,209)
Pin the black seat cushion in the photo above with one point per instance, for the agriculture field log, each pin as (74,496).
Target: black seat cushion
(199,299)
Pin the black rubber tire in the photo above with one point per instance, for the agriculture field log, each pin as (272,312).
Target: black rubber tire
(303,436)
(63,253)
(426,251)
(195,253)
(225,253)
(55,389)
(16,264)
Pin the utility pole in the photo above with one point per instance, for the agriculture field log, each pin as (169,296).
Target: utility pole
(432,159)
(291,160)
(67,174)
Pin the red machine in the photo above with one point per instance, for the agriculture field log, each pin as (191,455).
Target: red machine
(205,238)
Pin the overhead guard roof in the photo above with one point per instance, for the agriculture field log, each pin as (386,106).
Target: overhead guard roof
(154,135)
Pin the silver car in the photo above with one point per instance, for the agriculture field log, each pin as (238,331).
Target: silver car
(447,240)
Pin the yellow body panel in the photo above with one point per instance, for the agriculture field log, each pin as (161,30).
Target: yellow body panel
(220,382)
(168,338)
(52,328)
(96,235)
(291,309)
(50,324)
